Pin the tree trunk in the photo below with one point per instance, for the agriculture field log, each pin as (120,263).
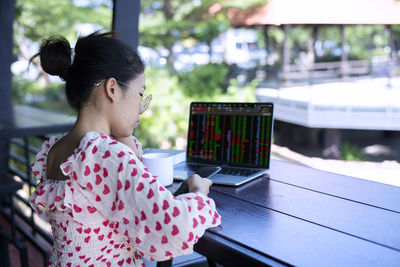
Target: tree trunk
(167,8)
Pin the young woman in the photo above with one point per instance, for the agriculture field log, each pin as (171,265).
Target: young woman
(104,206)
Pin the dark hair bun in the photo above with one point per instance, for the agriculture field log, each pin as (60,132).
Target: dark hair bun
(55,56)
(98,56)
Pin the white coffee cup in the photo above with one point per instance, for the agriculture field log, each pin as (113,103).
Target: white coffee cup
(160,165)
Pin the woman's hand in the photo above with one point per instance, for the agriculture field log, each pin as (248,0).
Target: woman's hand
(198,184)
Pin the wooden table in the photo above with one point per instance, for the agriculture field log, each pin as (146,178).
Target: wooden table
(301,216)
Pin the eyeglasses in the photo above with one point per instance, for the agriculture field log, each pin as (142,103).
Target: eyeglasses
(145,102)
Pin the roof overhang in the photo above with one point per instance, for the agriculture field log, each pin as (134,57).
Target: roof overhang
(333,12)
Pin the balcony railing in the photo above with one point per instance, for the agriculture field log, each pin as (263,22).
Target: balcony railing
(27,223)
(331,71)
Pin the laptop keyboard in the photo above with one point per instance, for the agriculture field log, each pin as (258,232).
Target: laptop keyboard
(237,171)
(225,170)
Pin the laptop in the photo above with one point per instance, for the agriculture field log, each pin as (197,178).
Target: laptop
(234,136)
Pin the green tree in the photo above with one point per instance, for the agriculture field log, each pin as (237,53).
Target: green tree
(166,21)
(36,20)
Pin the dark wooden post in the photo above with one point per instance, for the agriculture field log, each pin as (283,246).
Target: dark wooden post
(265,29)
(285,53)
(6,45)
(126,20)
(393,55)
(344,57)
(315,37)
(332,144)
(312,69)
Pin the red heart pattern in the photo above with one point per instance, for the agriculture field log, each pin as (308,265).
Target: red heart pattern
(165,205)
(176,212)
(143,216)
(106,190)
(119,185)
(167,218)
(106,154)
(155,208)
(127,184)
(191,236)
(96,168)
(121,167)
(150,194)
(83,156)
(77,208)
(91,209)
(98,179)
(158,226)
(87,170)
(175,230)
(89,186)
(140,187)
(105,172)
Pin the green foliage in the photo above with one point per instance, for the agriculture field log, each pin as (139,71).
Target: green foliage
(164,22)
(168,109)
(351,152)
(41,18)
(207,30)
(204,81)
(168,114)
(276,34)
(243,4)
(363,39)
(300,36)
(38,19)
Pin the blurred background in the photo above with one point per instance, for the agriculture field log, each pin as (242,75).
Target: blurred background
(334,77)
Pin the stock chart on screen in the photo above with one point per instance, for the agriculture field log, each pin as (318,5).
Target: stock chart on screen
(230,132)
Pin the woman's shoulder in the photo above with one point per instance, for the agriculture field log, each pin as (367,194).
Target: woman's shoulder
(38,167)
(104,147)
(98,151)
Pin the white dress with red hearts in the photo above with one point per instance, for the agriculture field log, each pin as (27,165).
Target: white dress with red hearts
(112,211)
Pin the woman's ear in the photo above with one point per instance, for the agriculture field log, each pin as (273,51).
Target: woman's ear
(111,88)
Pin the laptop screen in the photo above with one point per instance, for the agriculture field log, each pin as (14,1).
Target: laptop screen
(230,133)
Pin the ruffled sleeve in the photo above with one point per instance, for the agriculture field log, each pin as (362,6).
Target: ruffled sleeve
(118,186)
(62,195)
(49,194)
(38,167)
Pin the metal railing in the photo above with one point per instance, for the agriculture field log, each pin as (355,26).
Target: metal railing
(330,71)
(21,156)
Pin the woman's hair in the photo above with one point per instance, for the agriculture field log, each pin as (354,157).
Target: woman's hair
(97,56)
